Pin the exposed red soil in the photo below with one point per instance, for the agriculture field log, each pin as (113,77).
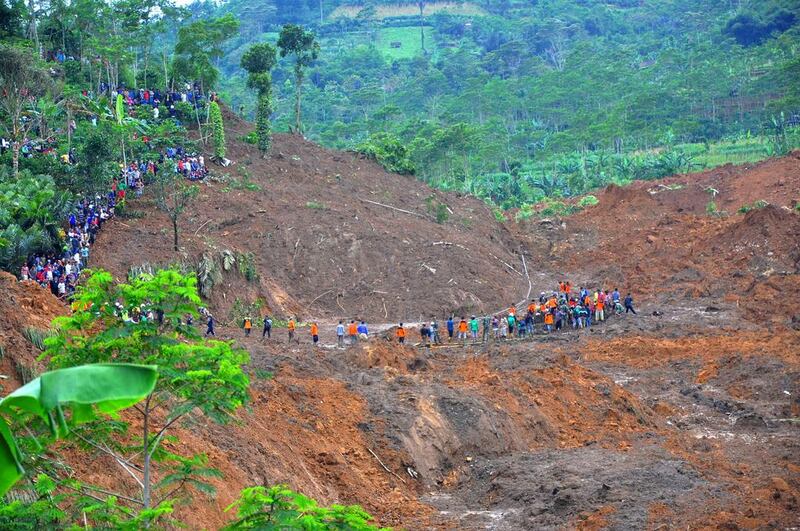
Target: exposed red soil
(23,305)
(644,422)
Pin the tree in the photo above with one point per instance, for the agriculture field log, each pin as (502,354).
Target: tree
(142,321)
(107,387)
(258,61)
(199,48)
(32,210)
(22,82)
(218,130)
(279,507)
(303,47)
(173,195)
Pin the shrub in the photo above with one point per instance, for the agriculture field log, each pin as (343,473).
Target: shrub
(218,130)
(388,151)
(711,208)
(499,215)
(588,201)
(524,213)
(280,508)
(250,138)
(744,209)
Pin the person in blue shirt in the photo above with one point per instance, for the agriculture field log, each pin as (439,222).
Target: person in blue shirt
(615,296)
(451,327)
(340,334)
(362,330)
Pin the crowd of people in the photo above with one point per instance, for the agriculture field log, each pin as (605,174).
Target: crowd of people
(60,273)
(551,312)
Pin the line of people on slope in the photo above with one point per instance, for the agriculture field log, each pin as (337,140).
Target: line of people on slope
(556,311)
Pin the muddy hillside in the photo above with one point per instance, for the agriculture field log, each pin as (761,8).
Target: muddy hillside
(684,415)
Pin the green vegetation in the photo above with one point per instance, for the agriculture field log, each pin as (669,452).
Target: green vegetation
(217,130)
(279,507)
(258,61)
(39,406)
(744,209)
(493,96)
(303,48)
(195,377)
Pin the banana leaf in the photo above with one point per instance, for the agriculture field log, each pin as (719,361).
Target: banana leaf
(106,387)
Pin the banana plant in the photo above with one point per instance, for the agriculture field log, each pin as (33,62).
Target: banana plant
(85,390)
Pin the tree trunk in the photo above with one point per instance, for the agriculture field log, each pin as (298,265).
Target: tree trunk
(298,74)
(146,453)
(175,231)
(15,158)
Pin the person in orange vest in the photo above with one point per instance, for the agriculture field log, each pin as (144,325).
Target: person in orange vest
(512,310)
(352,331)
(314,333)
(247,325)
(599,314)
(548,321)
(462,329)
(291,326)
(401,334)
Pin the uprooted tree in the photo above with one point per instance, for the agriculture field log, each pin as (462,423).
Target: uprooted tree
(258,61)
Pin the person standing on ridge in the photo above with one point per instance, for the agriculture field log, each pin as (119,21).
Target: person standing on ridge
(473,328)
(462,329)
(435,339)
(291,325)
(352,332)
(629,304)
(487,322)
(425,334)
(314,333)
(267,327)
(401,334)
(450,328)
(340,334)
(363,331)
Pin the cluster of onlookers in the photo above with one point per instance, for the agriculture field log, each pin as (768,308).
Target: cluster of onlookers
(60,273)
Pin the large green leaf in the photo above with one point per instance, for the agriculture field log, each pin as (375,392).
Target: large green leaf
(107,387)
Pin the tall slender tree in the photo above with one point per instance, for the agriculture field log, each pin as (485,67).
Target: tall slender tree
(259,60)
(303,47)
(22,82)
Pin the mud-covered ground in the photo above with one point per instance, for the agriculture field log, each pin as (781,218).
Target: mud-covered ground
(582,428)
(684,416)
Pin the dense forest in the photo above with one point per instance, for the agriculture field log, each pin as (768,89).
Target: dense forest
(513,100)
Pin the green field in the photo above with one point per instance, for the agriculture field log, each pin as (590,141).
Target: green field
(382,39)
(409,39)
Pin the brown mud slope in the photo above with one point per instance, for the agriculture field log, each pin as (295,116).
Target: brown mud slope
(684,416)
(657,240)
(317,239)
(23,305)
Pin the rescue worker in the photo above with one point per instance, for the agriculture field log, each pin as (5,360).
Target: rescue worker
(314,333)
(291,327)
(401,334)
(247,325)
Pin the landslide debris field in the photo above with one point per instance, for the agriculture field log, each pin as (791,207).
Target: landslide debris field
(686,415)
